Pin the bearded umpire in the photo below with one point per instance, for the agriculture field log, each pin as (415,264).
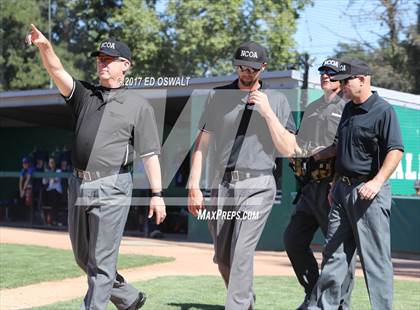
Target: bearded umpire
(369,148)
(109,128)
(315,172)
(243,126)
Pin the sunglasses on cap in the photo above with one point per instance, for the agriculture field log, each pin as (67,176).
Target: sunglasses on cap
(342,82)
(327,72)
(245,68)
(108,59)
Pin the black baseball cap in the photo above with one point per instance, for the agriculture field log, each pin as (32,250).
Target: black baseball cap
(113,47)
(330,63)
(250,54)
(350,68)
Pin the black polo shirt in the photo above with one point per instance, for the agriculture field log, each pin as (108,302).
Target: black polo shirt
(320,122)
(241,138)
(108,125)
(366,133)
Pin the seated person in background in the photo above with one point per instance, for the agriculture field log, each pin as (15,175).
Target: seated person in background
(53,191)
(39,167)
(417,188)
(65,167)
(37,186)
(25,182)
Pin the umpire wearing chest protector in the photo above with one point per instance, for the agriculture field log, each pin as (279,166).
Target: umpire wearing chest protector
(245,124)
(369,148)
(315,172)
(110,127)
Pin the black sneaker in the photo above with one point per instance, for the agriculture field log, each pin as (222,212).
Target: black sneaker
(305,303)
(138,303)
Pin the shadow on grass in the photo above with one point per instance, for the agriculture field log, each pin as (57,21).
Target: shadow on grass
(188,306)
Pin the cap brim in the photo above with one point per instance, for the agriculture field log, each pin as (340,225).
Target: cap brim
(255,65)
(109,53)
(329,67)
(339,77)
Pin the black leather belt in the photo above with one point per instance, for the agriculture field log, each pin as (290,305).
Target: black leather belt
(353,180)
(238,175)
(95,175)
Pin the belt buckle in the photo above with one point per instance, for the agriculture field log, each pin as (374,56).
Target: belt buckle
(346,180)
(87,176)
(234,175)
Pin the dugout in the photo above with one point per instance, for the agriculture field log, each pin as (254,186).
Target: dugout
(40,118)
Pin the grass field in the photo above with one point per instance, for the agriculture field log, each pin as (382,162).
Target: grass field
(22,265)
(277,293)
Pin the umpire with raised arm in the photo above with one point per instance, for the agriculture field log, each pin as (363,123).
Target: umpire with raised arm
(315,172)
(109,128)
(369,148)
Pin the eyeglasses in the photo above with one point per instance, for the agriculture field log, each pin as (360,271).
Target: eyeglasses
(348,79)
(329,72)
(108,59)
(249,69)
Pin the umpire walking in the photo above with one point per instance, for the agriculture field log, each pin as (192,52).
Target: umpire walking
(316,134)
(109,127)
(369,148)
(244,122)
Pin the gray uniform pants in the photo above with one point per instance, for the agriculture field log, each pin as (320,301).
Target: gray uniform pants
(362,224)
(235,240)
(97,215)
(311,212)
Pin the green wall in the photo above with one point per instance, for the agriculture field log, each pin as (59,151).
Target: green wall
(403,179)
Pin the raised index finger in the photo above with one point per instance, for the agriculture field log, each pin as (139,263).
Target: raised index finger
(34,28)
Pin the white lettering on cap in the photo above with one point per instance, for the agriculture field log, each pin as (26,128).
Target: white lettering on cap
(331,62)
(250,54)
(342,67)
(108,45)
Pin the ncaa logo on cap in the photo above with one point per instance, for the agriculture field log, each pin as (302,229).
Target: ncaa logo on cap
(331,62)
(108,45)
(250,54)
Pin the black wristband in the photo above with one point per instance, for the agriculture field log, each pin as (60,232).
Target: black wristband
(157,194)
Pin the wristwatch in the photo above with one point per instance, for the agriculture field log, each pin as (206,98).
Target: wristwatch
(157,194)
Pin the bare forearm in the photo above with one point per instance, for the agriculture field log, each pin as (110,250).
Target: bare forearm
(51,62)
(196,163)
(284,141)
(152,168)
(198,158)
(55,69)
(49,59)
(391,162)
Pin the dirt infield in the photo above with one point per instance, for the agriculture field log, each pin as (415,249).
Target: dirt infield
(190,259)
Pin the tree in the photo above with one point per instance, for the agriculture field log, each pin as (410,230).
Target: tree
(412,48)
(395,59)
(80,25)
(195,38)
(138,24)
(21,66)
(76,29)
(202,35)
